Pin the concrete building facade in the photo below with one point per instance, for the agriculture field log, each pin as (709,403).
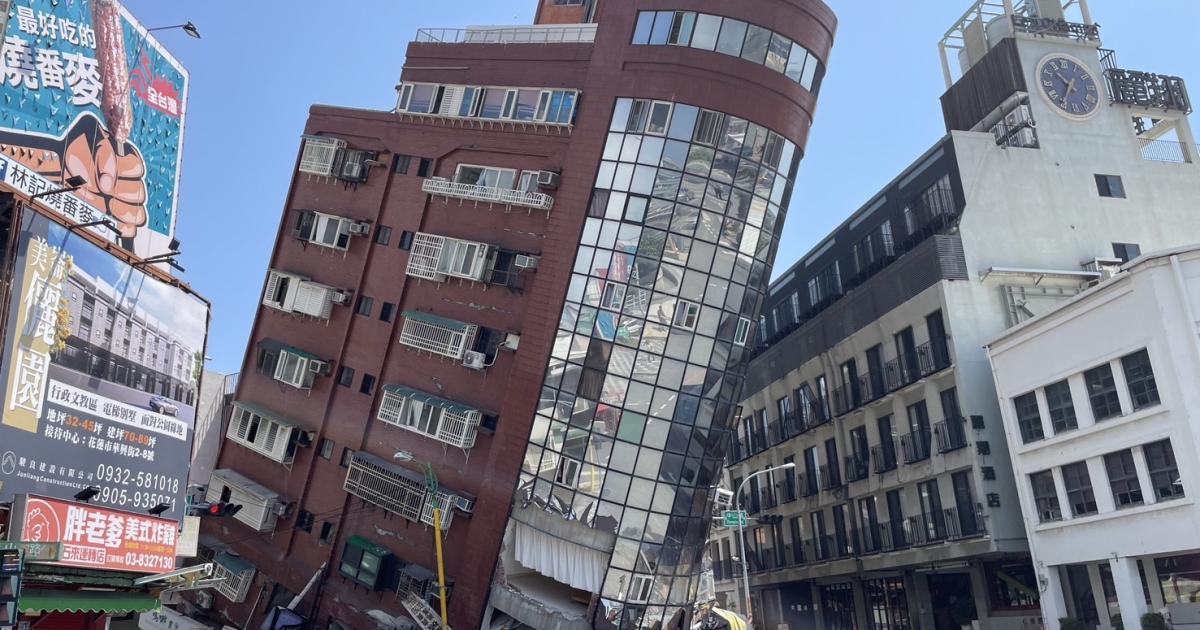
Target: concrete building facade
(1098,403)
(480,289)
(902,510)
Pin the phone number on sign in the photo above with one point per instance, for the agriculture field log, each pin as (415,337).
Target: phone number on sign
(128,477)
(148,561)
(122,497)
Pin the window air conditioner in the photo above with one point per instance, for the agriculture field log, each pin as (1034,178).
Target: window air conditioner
(340,297)
(723,498)
(283,510)
(361,228)
(317,367)
(464,504)
(524,261)
(474,360)
(512,340)
(304,439)
(547,179)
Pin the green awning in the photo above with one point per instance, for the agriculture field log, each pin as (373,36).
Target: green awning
(429,399)
(235,564)
(270,415)
(35,600)
(367,546)
(435,320)
(279,346)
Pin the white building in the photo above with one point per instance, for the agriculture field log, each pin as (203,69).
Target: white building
(1101,407)
(1058,166)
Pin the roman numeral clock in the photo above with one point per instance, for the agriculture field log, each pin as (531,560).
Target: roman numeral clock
(1069,86)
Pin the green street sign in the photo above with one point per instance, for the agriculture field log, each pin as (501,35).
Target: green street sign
(35,551)
(734,518)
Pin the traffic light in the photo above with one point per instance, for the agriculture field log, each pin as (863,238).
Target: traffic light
(224,509)
(769,519)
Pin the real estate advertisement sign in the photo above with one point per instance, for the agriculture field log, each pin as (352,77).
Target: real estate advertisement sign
(87,91)
(93,537)
(101,371)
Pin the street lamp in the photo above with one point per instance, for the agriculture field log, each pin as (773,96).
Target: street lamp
(73,183)
(431,486)
(737,505)
(188,28)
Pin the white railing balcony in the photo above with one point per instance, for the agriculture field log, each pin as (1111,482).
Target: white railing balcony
(539,34)
(488,194)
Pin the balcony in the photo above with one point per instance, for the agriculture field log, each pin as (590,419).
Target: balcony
(884,456)
(537,34)
(831,477)
(1043,27)
(945,525)
(857,467)
(915,446)
(442,187)
(808,485)
(1167,151)
(951,434)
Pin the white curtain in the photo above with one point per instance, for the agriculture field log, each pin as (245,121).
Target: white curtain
(572,564)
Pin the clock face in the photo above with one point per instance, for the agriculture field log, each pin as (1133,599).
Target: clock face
(1069,86)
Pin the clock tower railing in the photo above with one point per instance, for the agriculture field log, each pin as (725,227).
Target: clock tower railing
(1056,28)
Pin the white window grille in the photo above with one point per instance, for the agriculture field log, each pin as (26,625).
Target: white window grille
(331,231)
(295,294)
(297,368)
(465,259)
(440,419)
(425,256)
(742,334)
(439,335)
(263,433)
(236,576)
(492,185)
(320,154)
(420,610)
(397,490)
(281,290)
(686,314)
(259,503)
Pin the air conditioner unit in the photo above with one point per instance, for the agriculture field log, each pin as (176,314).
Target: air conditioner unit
(352,171)
(340,297)
(723,498)
(204,599)
(304,439)
(283,510)
(524,261)
(512,340)
(547,179)
(317,367)
(362,228)
(464,504)
(1026,137)
(474,360)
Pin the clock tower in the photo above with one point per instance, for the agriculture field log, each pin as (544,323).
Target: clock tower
(1035,73)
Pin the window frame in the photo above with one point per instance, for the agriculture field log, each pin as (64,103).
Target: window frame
(1123,479)
(686,316)
(1142,386)
(1045,503)
(1059,420)
(1106,399)
(1168,467)
(1077,481)
(1029,426)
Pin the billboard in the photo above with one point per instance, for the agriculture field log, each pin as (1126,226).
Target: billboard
(86,91)
(101,370)
(93,537)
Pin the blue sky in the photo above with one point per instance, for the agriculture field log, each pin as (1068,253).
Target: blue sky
(261,64)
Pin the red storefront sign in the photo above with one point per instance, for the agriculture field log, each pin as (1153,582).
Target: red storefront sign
(95,537)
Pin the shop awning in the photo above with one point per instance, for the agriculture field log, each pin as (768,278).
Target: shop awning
(418,572)
(436,320)
(429,399)
(45,600)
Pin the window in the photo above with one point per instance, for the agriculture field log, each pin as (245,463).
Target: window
(488,176)
(1012,586)
(1061,407)
(1102,392)
(406,239)
(387,311)
(1045,496)
(435,257)
(681,28)
(383,235)
(326,535)
(424,167)
(931,509)
(400,491)
(443,420)
(686,314)
(1028,419)
(271,437)
(823,399)
(1123,478)
(1110,186)
(568,472)
(320,154)
(733,33)
(742,333)
(1164,472)
(347,455)
(1139,376)
(345,376)
(362,561)
(1126,251)
(709,127)
(660,116)
(1079,489)
(234,580)
(325,230)
(402,163)
(297,368)
(368,384)
(613,296)
(326,450)
(439,335)
(640,588)
(304,520)
(364,305)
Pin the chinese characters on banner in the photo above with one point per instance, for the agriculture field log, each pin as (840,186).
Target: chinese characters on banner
(98,538)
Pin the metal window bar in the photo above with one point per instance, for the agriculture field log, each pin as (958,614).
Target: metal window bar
(884,456)
(436,339)
(425,256)
(1166,151)
(857,467)
(831,476)
(489,194)
(951,434)
(568,34)
(915,446)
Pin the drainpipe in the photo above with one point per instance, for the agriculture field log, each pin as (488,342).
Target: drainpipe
(249,618)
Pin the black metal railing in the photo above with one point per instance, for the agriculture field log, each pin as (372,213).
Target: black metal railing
(1167,151)
(945,525)
(1057,28)
(857,467)
(723,570)
(831,476)
(808,485)
(951,434)
(915,446)
(884,456)
(769,500)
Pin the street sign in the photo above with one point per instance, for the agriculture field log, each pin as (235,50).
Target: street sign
(35,551)
(734,518)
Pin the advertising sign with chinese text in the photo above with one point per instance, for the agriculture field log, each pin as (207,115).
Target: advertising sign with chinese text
(101,372)
(87,91)
(93,537)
